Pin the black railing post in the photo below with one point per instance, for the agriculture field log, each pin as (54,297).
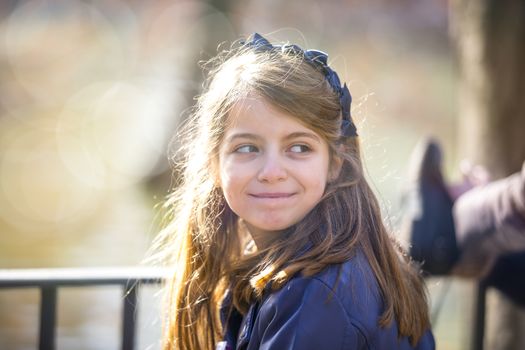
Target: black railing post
(478,330)
(128,321)
(48,281)
(48,303)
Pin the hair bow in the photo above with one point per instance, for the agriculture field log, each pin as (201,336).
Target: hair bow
(318,59)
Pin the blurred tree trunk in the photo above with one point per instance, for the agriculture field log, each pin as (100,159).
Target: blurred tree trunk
(490,37)
(162,183)
(491,46)
(214,36)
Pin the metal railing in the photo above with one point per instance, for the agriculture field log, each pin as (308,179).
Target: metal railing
(50,280)
(130,279)
(478,326)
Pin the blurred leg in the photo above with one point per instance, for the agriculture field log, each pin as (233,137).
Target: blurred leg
(489,222)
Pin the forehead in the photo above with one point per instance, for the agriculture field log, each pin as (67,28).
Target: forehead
(254,113)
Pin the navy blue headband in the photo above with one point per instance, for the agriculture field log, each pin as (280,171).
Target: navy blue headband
(319,60)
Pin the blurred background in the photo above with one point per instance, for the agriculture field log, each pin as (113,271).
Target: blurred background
(91,93)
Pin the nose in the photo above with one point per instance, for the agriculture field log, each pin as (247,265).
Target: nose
(272,169)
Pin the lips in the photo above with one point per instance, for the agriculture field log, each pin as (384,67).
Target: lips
(272,195)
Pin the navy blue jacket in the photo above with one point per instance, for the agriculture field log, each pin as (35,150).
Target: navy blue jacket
(309,313)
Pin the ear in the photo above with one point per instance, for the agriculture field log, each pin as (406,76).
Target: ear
(336,165)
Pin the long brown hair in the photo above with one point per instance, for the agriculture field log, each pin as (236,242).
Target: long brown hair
(204,242)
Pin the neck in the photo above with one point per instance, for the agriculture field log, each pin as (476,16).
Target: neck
(263,239)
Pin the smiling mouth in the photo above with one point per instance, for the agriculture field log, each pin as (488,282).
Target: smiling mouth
(272,195)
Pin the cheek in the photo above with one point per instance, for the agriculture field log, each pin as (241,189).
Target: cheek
(226,176)
(232,194)
(321,187)
(231,182)
(323,177)
(227,191)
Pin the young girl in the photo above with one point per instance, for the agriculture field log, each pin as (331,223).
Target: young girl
(275,237)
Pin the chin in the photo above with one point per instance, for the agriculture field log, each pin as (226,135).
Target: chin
(275,227)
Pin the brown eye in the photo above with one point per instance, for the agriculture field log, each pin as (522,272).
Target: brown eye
(300,148)
(246,149)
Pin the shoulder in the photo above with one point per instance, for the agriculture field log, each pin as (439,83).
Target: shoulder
(352,286)
(337,308)
(306,314)
(318,311)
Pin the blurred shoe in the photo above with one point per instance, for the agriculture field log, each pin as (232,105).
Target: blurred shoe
(430,221)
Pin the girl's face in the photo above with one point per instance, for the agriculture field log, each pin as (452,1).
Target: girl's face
(272,169)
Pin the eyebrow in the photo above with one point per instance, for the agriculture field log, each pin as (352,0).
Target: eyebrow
(243,135)
(291,136)
(299,134)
